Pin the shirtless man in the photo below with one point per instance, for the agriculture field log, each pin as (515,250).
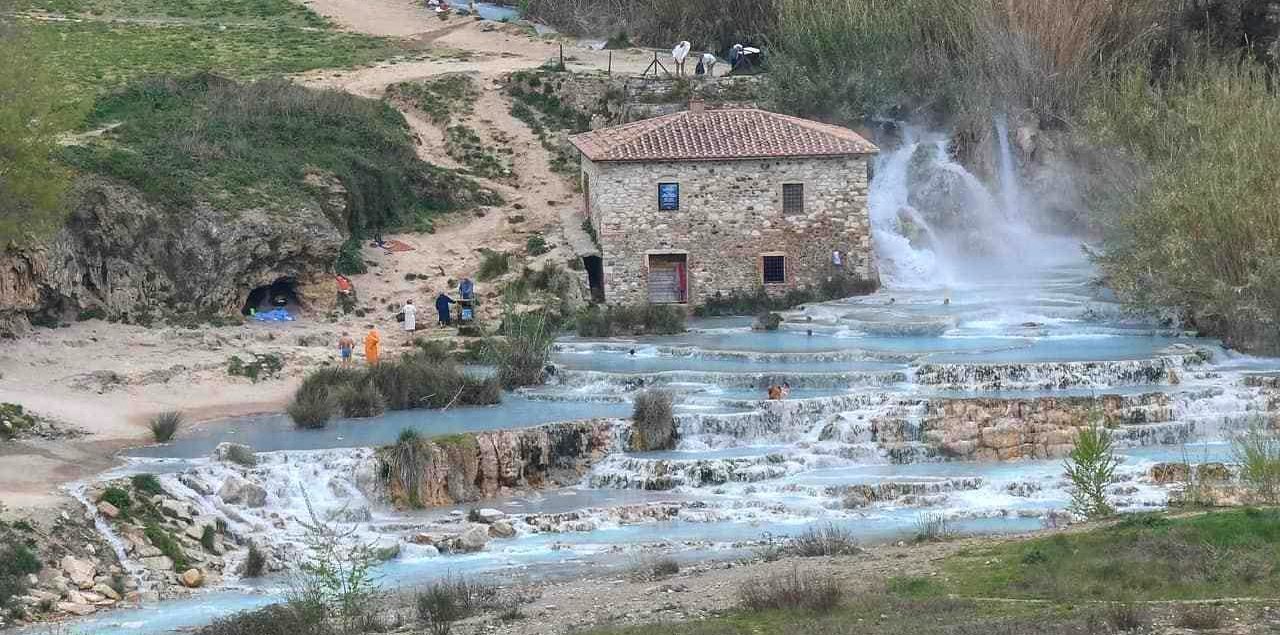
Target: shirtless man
(345,346)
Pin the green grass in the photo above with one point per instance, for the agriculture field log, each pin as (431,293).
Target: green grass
(465,146)
(1146,557)
(284,12)
(94,57)
(1080,577)
(240,146)
(442,99)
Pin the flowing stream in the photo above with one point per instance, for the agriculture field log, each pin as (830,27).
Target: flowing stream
(957,322)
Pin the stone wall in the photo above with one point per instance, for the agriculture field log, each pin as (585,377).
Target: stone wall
(730,215)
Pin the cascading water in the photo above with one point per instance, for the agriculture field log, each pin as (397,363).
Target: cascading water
(936,225)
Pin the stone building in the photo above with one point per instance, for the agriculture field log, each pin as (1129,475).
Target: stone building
(702,202)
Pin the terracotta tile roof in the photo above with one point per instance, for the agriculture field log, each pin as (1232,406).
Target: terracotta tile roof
(731,133)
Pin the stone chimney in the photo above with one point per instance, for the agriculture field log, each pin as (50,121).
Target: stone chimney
(697,106)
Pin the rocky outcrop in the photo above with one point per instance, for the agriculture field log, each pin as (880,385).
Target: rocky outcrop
(1004,429)
(121,256)
(475,466)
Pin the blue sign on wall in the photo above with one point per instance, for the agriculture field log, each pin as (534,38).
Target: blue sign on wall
(669,197)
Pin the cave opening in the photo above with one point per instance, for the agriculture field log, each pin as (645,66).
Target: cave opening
(283,293)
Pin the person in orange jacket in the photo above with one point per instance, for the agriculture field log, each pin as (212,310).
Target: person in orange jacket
(371,342)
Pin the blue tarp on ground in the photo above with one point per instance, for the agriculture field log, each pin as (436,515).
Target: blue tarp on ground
(274,315)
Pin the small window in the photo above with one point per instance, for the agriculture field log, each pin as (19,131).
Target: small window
(775,269)
(669,197)
(793,198)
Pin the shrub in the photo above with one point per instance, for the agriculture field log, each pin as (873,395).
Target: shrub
(453,599)
(653,424)
(242,455)
(117,497)
(1258,452)
(827,540)
(165,424)
(1091,467)
(637,319)
(167,544)
(769,321)
(350,260)
(255,563)
(264,366)
(1200,617)
(791,591)
(17,561)
(207,536)
(658,569)
(493,264)
(537,245)
(360,400)
(1189,134)
(19,419)
(146,484)
(933,528)
(311,409)
(294,618)
(336,573)
(522,355)
(1127,617)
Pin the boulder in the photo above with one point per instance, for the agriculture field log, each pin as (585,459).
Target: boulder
(176,509)
(489,516)
(472,540)
(108,510)
(237,491)
(224,451)
(106,591)
(1169,472)
(77,609)
(192,578)
(502,529)
(157,563)
(1213,472)
(79,571)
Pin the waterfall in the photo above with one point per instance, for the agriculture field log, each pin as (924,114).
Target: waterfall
(935,224)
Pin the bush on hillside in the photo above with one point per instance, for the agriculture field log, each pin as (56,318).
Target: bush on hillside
(705,23)
(791,591)
(493,264)
(632,319)
(205,138)
(165,425)
(1201,231)
(294,618)
(522,354)
(426,378)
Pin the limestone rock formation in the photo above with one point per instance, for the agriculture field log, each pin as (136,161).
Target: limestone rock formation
(477,466)
(122,256)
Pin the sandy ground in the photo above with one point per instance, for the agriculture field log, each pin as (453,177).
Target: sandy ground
(158,369)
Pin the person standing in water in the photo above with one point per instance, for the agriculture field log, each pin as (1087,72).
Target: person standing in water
(345,347)
(410,316)
(371,342)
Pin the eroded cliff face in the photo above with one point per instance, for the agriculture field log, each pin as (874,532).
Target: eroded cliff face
(475,466)
(122,257)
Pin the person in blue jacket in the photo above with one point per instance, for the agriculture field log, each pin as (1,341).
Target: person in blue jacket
(442,307)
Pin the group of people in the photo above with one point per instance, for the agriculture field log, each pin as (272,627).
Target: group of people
(409,315)
(372,346)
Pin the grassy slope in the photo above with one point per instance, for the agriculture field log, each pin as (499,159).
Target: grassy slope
(242,39)
(1145,558)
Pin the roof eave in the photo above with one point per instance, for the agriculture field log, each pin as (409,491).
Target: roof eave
(763,157)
